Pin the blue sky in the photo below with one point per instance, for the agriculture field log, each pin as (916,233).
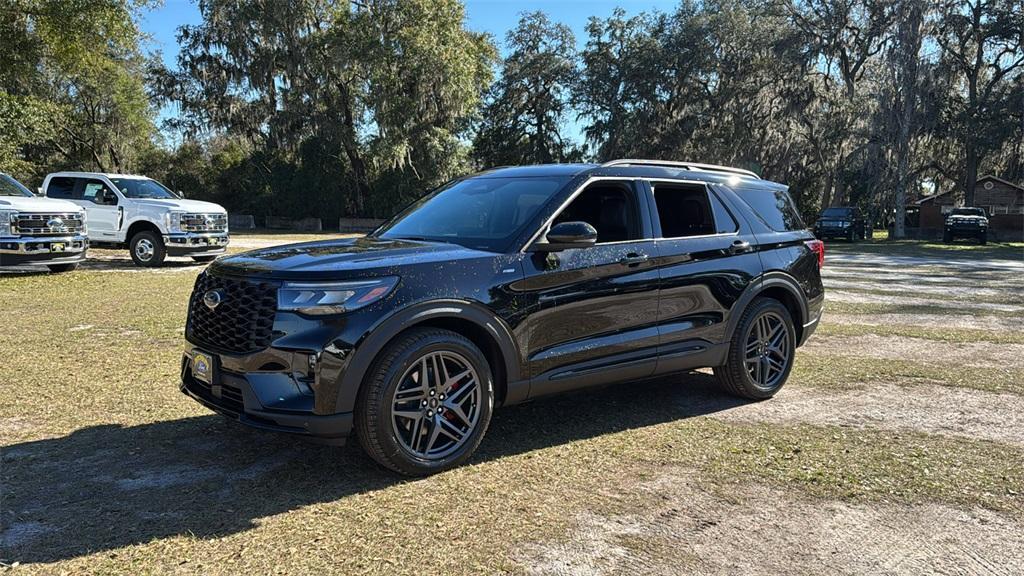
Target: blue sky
(493,16)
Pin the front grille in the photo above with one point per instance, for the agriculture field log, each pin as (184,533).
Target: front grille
(204,222)
(56,224)
(243,322)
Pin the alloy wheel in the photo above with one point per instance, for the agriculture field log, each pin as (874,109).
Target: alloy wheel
(436,406)
(767,350)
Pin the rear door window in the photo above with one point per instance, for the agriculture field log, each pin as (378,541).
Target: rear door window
(686,210)
(61,187)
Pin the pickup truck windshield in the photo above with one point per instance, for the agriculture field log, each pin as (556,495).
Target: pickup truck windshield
(138,188)
(11,187)
(837,213)
(967,212)
(481,213)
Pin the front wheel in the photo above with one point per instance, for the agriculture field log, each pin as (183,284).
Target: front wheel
(760,353)
(983,238)
(147,249)
(58,268)
(947,237)
(426,403)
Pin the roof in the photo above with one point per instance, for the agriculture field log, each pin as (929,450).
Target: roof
(979,181)
(106,174)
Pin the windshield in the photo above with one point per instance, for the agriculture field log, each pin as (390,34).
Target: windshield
(143,188)
(968,212)
(11,187)
(482,213)
(836,213)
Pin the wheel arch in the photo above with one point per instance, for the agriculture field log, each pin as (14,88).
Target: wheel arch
(139,226)
(485,330)
(778,286)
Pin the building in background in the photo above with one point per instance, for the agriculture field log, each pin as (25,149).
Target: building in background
(1002,200)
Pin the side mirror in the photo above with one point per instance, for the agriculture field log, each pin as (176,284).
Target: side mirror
(567,235)
(40,192)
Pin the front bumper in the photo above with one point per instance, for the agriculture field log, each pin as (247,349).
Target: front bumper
(196,244)
(26,250)
(275,400)
(966,229)
(832,231)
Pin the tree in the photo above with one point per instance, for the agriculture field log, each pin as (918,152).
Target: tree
(982,59)
(383,87)
(906,59)
(71,79)
(523,118)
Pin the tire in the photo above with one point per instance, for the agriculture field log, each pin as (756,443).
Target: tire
(204,259)
(735,377)
(983,239)
(395,383)
(58,268)
(147,249)
(851,236)
(947,237)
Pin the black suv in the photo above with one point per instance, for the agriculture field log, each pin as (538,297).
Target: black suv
(966,223)
(502,287)
(843,222)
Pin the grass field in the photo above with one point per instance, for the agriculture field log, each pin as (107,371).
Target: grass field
(897,446)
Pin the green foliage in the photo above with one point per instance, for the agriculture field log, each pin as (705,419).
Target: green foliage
(526,108)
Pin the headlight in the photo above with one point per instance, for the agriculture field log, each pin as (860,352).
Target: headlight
(174,221)
(323,298)
(7,220)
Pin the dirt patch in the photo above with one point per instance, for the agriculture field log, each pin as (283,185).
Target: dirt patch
(954,321)
(970,291)
(922,408)
(905,348)
(750,529)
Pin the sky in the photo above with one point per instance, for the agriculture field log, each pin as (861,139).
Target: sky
(493,16)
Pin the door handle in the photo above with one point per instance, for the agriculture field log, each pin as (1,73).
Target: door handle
(739,247)
(633,258)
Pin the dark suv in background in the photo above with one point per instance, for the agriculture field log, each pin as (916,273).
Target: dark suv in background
(966,223)
(501,287)
(843,222)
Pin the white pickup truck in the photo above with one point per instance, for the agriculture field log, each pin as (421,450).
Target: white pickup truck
(39,231)
(143,215)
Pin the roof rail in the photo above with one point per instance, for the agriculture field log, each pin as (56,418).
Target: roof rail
(682,165)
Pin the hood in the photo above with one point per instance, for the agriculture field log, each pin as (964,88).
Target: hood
(186,205)
(37,204)
(333,259)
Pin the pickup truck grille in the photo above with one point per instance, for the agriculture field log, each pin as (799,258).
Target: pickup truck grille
(53,224)
(204,222)
(241,323)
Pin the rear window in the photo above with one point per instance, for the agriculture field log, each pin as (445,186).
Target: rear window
(774,206)
(61,187)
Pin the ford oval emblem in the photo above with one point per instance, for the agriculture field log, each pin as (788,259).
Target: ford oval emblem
(56,225)
(212,299)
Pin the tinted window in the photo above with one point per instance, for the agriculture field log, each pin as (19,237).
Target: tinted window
(11,187)
(774,206)
(610,207)
(484,213)
(61,187)
(690,210)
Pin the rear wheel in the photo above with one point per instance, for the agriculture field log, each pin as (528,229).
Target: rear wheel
(57,268)
(761,352)
(426,404)
(147,249)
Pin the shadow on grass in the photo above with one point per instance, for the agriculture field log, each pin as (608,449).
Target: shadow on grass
(105,487)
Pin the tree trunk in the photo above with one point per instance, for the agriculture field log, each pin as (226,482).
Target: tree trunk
(908,49)
(971,170)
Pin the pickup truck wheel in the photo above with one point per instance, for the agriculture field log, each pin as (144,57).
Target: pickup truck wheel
(983,238)
(204,258)
(760,353)
(426,403)
(57,268)
(947,237)
(147,249)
